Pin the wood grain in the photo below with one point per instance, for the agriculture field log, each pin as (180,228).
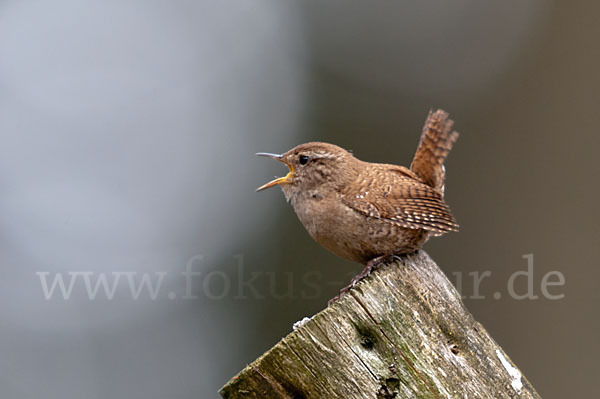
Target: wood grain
(403,332)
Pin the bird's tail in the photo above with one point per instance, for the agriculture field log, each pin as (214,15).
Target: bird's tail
(435,144)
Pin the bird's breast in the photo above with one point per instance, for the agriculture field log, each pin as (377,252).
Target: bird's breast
(331,224)
(316,212)
(350,234)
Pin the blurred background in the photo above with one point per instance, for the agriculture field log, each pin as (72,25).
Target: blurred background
(128,137)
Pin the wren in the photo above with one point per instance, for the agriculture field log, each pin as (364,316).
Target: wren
(369,212)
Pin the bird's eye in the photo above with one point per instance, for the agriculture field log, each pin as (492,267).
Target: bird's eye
(303,159)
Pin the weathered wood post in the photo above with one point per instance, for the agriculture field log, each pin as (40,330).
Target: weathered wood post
(403,332)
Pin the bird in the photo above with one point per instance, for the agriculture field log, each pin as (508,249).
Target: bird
(370,212)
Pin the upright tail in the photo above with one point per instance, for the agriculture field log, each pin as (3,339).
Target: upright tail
(435,144)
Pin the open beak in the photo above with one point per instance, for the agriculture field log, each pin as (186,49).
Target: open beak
(280,180)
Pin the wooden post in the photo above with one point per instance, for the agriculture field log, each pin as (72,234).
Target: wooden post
(403,332)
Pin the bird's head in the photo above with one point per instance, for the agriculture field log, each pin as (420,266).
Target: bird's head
(312,167)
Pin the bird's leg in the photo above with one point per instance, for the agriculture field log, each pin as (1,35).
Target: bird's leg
(371,265)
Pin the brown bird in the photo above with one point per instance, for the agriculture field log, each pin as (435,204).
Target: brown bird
(369,212)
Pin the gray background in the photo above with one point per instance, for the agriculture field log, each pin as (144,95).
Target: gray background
(128,133)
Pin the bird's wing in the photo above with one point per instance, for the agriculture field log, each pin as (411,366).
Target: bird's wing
(394,194)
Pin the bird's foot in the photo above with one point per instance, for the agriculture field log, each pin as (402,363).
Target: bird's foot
(373,264)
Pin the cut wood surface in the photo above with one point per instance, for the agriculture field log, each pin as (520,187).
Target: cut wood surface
(403,332)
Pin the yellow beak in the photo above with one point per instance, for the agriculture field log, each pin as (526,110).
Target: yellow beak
(279,180)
